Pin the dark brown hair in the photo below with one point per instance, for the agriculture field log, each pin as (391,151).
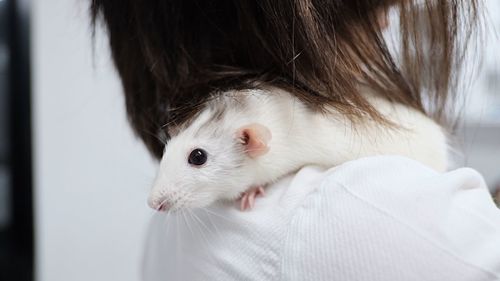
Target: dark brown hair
(171,55)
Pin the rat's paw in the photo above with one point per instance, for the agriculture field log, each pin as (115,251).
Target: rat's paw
(248,197)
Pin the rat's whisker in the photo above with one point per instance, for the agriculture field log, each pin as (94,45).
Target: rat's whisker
(206,239)
(203,236)
(195,224)
(187,223)
(193,214)
(169,216)
(166,220)
(211,222)
(188,200)
(178,247)
(224,217)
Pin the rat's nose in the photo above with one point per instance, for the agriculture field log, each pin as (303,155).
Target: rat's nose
(163,206)
(159,204)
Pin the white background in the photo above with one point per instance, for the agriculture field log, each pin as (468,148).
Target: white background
(92,174)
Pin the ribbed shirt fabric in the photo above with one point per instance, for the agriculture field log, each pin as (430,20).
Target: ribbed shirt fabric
(376,218)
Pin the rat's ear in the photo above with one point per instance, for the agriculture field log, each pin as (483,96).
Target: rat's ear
(255,137)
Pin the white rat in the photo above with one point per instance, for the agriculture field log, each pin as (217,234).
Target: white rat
(241,141)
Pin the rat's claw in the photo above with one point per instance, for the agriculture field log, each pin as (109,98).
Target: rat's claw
(243,203)
(248,197)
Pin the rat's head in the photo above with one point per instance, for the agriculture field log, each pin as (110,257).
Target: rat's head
(207,161)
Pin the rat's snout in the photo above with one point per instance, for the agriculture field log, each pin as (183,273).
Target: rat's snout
(160,204)
(164,206)
(168,199)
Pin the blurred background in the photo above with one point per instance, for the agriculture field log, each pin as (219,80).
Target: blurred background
(74,179)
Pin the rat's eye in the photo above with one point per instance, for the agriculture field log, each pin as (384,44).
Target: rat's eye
(197,157)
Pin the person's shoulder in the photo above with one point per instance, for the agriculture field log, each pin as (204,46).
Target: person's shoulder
(393,175)
(394,212)
(405,188)
(388,181)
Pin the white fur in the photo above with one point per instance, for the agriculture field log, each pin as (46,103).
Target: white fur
(299,137)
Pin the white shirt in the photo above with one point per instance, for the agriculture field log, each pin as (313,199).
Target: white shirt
(376,218)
